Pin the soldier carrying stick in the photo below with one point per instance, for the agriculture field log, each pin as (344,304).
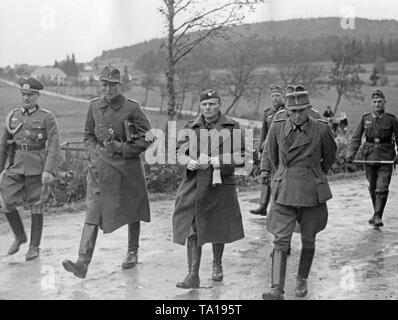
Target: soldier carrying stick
(377,153)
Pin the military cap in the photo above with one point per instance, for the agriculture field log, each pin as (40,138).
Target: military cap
(110,74)
(297,97)
(208,94)
(378,94)
(31,84)
(277,88)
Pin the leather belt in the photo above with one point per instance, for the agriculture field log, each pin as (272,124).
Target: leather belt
(29,147)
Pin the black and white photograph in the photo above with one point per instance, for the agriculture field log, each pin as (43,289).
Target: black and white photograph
(211,151)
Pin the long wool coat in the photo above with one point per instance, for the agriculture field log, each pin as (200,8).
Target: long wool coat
(215,209)
(116,188)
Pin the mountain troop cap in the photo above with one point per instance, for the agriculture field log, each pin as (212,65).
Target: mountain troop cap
(378,94)
(297,97)
(110,74)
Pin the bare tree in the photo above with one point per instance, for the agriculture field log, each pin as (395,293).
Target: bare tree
(345,73)
(302,73)
(189,23)
(163,93)
(260,84)
(239,75)
(185,77)
(150,63)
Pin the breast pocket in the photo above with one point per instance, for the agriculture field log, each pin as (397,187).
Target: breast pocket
(386,131)
(38,131)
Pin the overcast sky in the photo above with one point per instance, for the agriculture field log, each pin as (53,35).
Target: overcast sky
(40,31)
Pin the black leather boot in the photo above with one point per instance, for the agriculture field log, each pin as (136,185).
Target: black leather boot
(132,252)
(278,275)
(264,200)
(35,237)
(373,197)
(306,257)
(17,228)
(217,274)
(261,210)
(381,200)
(194,254)
(86,250)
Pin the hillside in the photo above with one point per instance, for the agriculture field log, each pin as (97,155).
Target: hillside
(297,30)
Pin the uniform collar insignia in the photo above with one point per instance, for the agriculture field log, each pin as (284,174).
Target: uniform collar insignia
(115,104)
(28,111)
(378,115)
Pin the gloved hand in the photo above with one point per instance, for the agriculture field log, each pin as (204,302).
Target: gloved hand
(47,178)
(215,162)
(265,177)
(113,146)
(149,137)
(193,165)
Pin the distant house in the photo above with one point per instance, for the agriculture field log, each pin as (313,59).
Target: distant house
(54,76)
(87,77)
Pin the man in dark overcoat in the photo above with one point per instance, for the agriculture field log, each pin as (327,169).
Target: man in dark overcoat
(302,150)
(377,152)
(115,136)
(206,207)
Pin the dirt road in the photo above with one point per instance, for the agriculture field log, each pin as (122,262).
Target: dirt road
(352,261)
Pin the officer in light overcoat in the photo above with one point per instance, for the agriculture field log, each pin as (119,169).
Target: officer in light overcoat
(301,150)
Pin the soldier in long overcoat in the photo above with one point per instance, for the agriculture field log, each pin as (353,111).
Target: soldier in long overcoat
(29,150)
(207,211)
(115,136)
(301,150)
(278,104)
(378,152)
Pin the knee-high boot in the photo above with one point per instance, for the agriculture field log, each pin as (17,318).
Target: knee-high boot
(133,243)
(194,254)
(17,228)
(264,200)
(86,250)
(278,275)
(217,274)
(306,258)
(35,236)
(381,200)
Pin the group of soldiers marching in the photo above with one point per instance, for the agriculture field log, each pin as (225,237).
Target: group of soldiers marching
(297,150)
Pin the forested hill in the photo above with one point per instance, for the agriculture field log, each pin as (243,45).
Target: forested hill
(298,39)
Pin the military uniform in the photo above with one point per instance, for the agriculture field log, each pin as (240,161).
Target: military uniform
(378,130)
(114,136)
(29,146)
(268,117)
(301,156)
(205,212)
